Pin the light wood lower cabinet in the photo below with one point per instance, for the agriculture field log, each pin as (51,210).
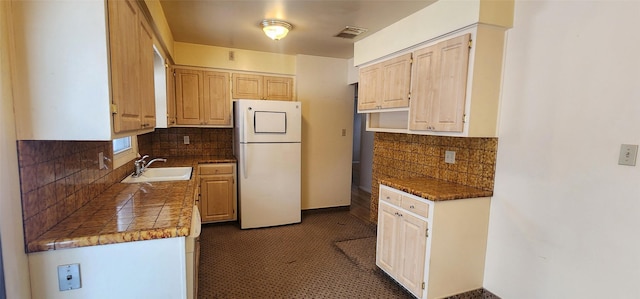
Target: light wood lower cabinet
(218,199)
(432,248)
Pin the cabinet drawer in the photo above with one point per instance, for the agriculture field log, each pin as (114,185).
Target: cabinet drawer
(213,169)
(390,196)
(415,206)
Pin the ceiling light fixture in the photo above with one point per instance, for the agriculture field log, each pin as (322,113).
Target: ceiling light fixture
(276,29)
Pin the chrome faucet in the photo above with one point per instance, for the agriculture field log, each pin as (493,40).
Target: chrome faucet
(141,165)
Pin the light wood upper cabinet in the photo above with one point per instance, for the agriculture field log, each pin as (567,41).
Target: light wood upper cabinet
(246,86)
(385,84)
(91,83)
(202,98)
(455,87)
(277,88)
(396,78)
(369,87)
(258,87)
(147,88)
(131,56)
(171,96)
(217,106)
(188,97)
(439,86)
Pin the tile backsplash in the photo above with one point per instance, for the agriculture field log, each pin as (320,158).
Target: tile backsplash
(202,142)
(59,177)
(406,156)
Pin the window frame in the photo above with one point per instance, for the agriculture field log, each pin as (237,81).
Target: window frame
(127,155)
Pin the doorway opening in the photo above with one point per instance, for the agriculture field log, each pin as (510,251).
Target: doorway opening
(362,164)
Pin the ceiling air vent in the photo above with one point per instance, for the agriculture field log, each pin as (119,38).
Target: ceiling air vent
(351,32)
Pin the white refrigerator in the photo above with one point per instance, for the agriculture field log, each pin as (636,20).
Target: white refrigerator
(267,137)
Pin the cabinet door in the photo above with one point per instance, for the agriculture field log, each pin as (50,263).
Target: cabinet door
(453,60)
(412,249)
(188,97)
(423,88)
(125,63)
(396,82)
(278,88)
(171,96)
(387,236)
(217,107)
(147,88)
(369,87)
(439,86)
(246,86)
(217,198)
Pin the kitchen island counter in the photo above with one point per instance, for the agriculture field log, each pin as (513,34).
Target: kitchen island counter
(131,212)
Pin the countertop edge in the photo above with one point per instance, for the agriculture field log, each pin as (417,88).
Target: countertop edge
(432,188)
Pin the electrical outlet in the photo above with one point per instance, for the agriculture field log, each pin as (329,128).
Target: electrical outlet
(186,139)
(450,157)
(628,153)
(69,277)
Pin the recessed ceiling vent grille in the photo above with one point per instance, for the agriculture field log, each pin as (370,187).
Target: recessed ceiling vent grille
(351,32)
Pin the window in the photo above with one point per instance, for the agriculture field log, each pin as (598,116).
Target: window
(125,149)
(121,145)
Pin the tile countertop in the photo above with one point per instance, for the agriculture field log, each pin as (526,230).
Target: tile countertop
(131,212)
(434,189)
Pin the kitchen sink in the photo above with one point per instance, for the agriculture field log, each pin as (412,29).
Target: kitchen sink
(161,174)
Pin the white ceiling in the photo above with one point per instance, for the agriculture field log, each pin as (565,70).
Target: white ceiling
(236,24)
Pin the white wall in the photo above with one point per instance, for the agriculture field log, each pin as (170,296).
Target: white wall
(13,256)
(327,109)
(564,216)
(142,269)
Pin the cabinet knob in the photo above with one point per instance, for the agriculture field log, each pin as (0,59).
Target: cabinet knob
(412,207)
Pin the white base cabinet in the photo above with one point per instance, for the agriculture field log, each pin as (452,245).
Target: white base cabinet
(432,248)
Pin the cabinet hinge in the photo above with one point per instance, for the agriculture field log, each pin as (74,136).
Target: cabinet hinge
(174,73)
(114,109)
(426,233)
(470,44)
(464,117)
(423,285)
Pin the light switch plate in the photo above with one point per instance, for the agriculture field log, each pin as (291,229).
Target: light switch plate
(100,160)
(628,153)
(186,139)
(450,157)
(69,277)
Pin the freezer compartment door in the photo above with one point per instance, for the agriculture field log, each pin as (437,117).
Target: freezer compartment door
(269,184)
(268,121)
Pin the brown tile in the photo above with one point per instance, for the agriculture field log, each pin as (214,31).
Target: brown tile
(139,225)
(28,178)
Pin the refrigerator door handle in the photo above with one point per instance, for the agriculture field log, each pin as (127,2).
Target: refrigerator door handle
(243,148)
